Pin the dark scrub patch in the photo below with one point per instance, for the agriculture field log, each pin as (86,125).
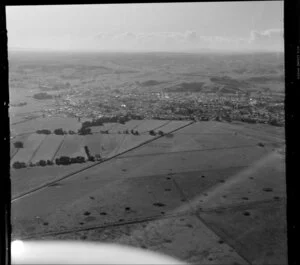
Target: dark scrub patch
(167,189)
(87,213)
(45,223)
(89,219)
(245,198)
(103,213)
(246,213)
(127,209)
(267,189)
(92,198)
(159,204)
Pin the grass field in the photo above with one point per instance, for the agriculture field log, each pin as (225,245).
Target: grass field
(30,146)
(129,125)
(73,145)
(26,179)
(173,125)
(48,148)
(50,123)
(103,144)
(149,125)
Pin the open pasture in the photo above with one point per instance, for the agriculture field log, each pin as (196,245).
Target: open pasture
(103,144)
(149,125)
(105,127)
(31,144)
(48,148)
(50,123)
(130,141)
(129,125)
(72,146)
(173,125)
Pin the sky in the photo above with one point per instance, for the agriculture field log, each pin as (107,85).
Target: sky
(181,27)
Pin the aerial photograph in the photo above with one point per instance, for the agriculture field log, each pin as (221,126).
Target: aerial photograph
(147,133)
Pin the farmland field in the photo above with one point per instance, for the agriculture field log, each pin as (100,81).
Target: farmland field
(50,123)
(149,125)
(48,148)
(26,179)
(103,144)
(73,145)
(106,126)
(173,125)
(129,125)
(30,146)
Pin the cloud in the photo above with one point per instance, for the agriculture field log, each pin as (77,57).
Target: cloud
(190,40)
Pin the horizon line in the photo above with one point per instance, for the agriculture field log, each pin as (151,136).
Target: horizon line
(202,50)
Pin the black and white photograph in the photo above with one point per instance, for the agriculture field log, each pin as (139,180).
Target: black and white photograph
(147,133)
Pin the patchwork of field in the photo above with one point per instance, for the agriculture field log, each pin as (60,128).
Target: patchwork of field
(31,144)
(50,123)
(72,146)
(159,194)
(48,148)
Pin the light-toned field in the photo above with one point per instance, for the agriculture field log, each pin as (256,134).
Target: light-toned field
(26,179)
(31,144)
(48,148)
(50,123)
(173,125)
(129,125)
(103,144)
(149,125)
(106,126)
(73,145)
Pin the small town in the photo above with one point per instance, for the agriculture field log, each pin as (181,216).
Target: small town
(264,109)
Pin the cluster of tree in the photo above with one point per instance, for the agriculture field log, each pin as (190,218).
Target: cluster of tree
(152,132)
(58,131)
(134,132)
(65,160)
(274,122)
(99,121)
(43,131)
(161,133)
(42,163)
(18,165)
(42,95)
(18,144)
(84,131)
